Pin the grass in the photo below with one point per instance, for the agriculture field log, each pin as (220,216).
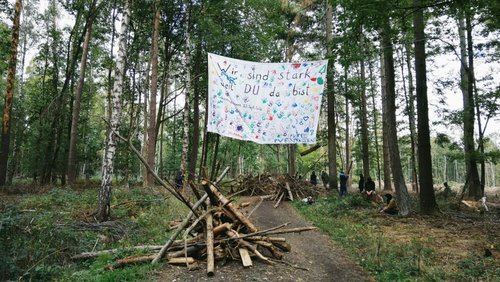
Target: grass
(40,232)
(393,248)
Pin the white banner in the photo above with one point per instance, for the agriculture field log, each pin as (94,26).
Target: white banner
(267,103)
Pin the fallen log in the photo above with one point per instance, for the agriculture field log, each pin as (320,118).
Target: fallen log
(310,150)
(146,258)
(87,255)
(210,243)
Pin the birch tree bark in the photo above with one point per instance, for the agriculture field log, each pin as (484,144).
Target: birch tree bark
(103,208)
(185,121)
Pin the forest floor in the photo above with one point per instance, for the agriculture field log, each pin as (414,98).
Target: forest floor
(354,242)
(452,245)
(313,256)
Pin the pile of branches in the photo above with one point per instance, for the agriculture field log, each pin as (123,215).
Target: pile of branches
(279,186)
(214,230)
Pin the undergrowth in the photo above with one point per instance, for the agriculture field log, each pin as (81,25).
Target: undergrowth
(355,225)
(40,232)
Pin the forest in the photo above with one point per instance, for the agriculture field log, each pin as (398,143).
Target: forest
(112,97)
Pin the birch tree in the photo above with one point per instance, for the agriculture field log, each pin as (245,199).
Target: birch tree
(103,208)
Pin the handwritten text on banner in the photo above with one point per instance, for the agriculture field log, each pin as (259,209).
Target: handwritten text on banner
(268,103)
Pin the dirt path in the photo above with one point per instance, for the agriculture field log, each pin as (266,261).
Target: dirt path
(312,250)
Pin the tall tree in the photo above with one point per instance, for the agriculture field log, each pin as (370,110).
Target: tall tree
(385,131)
(152,129)
(332,131)
(427,197)
(9,96)
(363,116)
(390,100)
(411,117)
(72,169)
(466,85)
(103,207)
(187,90)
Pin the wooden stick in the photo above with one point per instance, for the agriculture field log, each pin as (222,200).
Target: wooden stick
(210,244)
(269,246)
(221,176)
(174,192)
(241,217)
(87,255)
(290,195)
(256,207)
(233,234)
(179,229)
(258,232)
(279,200)
(267,239)
(130,260)
(291,230)
(138,259)
(310,150)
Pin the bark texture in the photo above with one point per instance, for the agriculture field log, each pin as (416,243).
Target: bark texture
(103,209)
(9,96)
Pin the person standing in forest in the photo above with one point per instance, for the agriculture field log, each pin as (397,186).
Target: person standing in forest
(314,178)
(325,179)
(178,180)
(369,185)
(361,184)
(343,183)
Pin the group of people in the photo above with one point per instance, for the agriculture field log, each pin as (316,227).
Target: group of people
(366,188)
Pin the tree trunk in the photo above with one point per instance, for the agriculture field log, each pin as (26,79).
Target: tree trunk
(390,100)
(472,176)
(9,96)
(427,198)
(15,160)
(385,131)
(365,153)
(185,125)
(103,208)
(72,171)
(411,117)
(145,147)
(332,132)
(152,130)
(375,126)
(195,140)
(347,131)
